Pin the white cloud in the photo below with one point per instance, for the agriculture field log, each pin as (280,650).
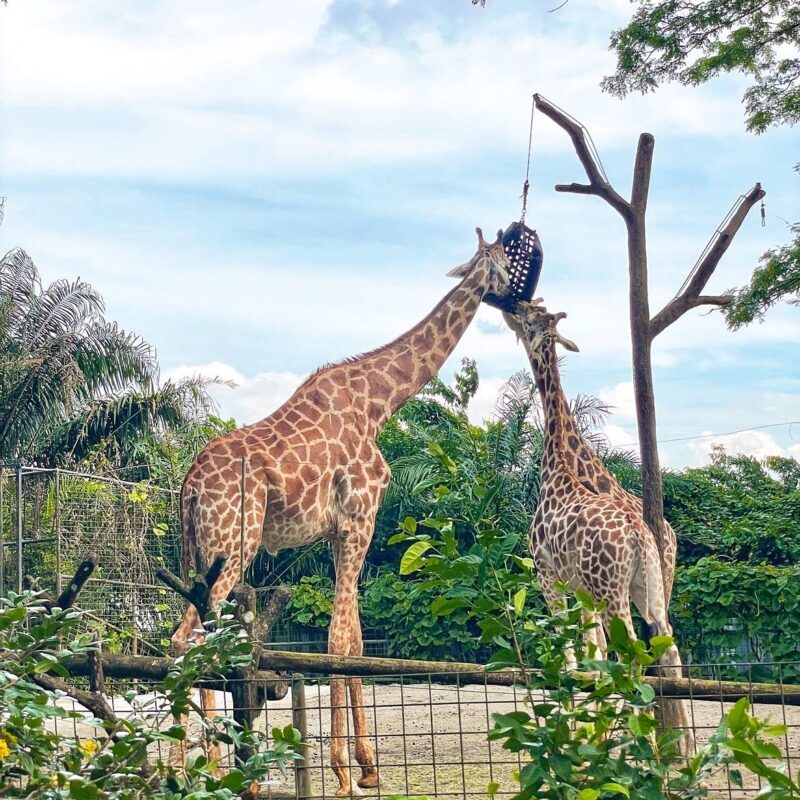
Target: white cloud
(482,406)
(252,398)
(620,398)
(758,444)
(189,89)
(619,437)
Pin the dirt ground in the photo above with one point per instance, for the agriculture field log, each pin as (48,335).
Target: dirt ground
(431,739)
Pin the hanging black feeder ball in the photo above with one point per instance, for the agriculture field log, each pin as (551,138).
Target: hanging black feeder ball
(525,256)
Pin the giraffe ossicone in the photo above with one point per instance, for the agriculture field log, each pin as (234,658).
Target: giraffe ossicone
(314,471)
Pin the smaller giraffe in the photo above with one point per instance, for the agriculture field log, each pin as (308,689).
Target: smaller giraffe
(592,542)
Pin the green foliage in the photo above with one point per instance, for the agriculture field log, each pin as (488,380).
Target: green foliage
(311,603)
(716,602)
(402,610)
(694,42)
(113,765)
(738,508)
(776,279)
(587,735)
(70,381)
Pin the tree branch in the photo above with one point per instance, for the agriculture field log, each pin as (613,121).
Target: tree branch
(93,701)
(575,188)
(597,183)
(199,593)
(690,296)
(642,166)
(68,597)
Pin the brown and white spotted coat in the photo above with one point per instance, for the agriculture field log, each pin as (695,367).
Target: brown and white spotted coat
(594,542)
(588,467)
(314,471)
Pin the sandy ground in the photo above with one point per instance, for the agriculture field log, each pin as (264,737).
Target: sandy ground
(431,739)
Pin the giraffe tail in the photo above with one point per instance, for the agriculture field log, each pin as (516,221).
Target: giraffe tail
(192,558)
(652,581)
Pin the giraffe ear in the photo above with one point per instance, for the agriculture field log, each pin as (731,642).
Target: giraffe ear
(568,343)
(461,271)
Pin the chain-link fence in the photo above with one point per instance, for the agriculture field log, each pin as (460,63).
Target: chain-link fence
(429,730)
(51,518)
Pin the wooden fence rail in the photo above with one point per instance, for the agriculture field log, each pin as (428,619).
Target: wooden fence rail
(274,662)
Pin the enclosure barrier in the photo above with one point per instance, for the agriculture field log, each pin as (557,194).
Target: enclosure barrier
(428,720)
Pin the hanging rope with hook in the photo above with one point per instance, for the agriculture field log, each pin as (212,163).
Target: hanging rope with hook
(527,185)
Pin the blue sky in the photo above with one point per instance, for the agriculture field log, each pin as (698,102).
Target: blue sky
(260,187)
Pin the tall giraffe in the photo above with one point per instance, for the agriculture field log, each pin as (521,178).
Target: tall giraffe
(314,471)
(593,541)
(589,468)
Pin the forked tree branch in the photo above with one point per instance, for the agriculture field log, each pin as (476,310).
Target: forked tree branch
(199,593)
(690,297)
(597,185)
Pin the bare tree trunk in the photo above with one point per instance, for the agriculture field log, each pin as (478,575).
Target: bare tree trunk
(643,328)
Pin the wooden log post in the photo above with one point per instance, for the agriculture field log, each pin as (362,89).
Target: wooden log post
(249,693)
(302,775)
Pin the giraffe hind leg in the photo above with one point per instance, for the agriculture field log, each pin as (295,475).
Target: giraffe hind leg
(186,631)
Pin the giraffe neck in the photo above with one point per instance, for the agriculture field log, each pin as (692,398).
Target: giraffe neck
(561,438)
(396,372)
(563,442)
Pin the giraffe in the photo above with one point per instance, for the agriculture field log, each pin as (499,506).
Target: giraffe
(594,541)
(314,471)
(590,469)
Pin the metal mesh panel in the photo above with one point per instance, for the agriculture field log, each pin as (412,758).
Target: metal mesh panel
(429,733)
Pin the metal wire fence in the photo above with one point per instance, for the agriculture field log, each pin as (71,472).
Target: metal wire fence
(429,731)
(50,519)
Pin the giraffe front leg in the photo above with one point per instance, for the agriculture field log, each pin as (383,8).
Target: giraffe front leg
(184,633)
(344,638)
(365,755)
(339,643)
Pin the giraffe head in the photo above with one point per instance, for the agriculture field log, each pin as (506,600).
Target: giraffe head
(536,327)
(491,261)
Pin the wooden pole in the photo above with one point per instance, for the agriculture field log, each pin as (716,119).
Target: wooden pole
(302,775)
(57,531)
(270,661)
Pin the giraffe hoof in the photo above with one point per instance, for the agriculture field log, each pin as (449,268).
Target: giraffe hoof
(349,791)
(369,781)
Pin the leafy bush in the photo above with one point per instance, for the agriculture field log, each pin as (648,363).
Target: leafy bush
(588,735)
(113,765)
(715,603)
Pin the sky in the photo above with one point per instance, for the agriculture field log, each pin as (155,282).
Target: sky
(260,187)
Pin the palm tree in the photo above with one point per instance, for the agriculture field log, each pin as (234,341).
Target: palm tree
(71,381)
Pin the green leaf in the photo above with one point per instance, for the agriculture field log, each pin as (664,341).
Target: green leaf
(616,788)
(444,606)
(412,558)
(737,716)
(588,794)
(519,601)
(409,524)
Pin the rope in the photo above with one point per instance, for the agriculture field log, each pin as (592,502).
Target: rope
(527,185)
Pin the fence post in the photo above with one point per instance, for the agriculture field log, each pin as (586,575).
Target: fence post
(302,776)
(58,531)
(19,528)
(2,533)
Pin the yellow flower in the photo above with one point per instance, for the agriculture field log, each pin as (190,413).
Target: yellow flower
(9,737)
(88,747)
(5,750)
